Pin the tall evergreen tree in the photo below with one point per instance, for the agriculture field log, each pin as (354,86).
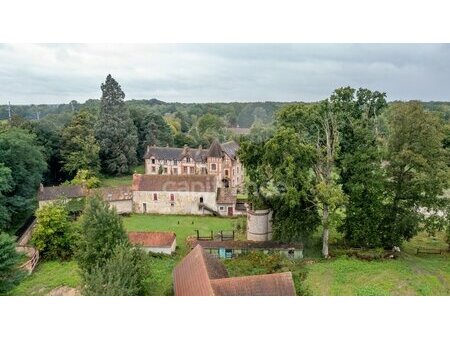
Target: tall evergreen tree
(101,231)
(115,131)
(10,274)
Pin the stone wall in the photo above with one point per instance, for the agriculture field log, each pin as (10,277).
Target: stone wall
(122,207)
(184,202)
(259,225)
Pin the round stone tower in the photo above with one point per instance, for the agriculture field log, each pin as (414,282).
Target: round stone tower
(259,225)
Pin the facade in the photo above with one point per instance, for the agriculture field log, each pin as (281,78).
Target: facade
(48,195)
(120,198)
(157,242)
(201,274)
(174,194)
(220,160)
(231,249)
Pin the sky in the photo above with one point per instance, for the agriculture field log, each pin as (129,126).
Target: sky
(59,73)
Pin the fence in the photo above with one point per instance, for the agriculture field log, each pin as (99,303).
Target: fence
(430,251)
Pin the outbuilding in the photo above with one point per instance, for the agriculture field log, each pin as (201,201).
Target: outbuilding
(157,242)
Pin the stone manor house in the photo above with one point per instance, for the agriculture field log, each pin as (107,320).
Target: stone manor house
(176,181)
(220,160)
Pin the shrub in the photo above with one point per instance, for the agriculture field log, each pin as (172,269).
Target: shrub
(55,235)
(123,274)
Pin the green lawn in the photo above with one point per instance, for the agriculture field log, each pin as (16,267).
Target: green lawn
(48,276)
(183,226)
(117,181)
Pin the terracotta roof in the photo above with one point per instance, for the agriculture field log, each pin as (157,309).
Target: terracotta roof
(61,191)
(198,183)
(123,193)
(200,274)
(191,277)
(152,239)
(243,244)
(277,284)
(225,196)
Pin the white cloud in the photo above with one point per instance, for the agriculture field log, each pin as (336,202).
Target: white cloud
(55,73)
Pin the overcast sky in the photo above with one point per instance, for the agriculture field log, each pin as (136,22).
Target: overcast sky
(222,72)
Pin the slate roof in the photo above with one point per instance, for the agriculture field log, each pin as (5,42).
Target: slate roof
(61,191)
(152,239)
(200,274)
(123,193)
(230,148)
(197,183)
(225,196)
(215,150)
(164,153)
(199,155)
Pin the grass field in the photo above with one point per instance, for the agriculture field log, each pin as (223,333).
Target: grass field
(410,274)
(48,276)
(183,226)
(117,181)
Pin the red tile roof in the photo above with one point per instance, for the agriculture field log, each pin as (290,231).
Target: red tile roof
(277,284)
(198,183)
(152,239)
(200,274)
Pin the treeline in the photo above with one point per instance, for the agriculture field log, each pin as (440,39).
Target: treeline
(242,114)
(377,173)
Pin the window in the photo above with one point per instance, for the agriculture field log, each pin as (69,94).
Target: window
(226,172)
(213,166)
(191,170)
(175,171)
(165,170)
(155,197)
(185,170)
(291,253)
(201,199)
(237,169)
(144,207)
(221,208)
(153,169)
(153,161)
(172,197)
(233,172)
(175,162)
(188,159)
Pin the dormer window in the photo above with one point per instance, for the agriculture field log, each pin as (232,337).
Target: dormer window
(153,161)
(188,159)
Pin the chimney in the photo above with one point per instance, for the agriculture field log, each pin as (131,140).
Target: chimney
(41,187)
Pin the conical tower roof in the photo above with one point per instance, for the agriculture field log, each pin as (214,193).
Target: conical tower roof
(215,150)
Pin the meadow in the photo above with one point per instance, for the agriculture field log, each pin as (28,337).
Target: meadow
(409,274)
